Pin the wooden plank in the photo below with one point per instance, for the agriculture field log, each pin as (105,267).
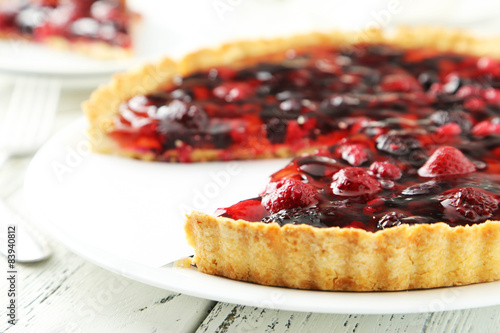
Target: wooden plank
(68,294)
(236,318)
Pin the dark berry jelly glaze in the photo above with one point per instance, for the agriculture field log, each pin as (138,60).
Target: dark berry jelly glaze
(314,99)
(408,136)
(95,20)
(324,190)
(421,145)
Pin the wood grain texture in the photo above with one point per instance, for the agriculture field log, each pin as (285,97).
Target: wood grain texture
(236,318)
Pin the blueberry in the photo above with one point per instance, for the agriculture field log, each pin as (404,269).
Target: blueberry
(397,143)
(459,117)
(389,220)
(422,189)
(180,114)
(276,130)
(309,216)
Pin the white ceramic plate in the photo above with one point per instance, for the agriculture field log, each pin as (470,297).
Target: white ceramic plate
(126,216)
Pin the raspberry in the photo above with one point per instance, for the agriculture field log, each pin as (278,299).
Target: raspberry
(450,129)
(353,181)
(446,161)
(385,170)
(290,193)
(469,204)
(355,154)
(248,210)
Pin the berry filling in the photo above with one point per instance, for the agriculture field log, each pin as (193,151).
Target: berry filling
(403,136)
(323,192)
(76,20)
(401,99)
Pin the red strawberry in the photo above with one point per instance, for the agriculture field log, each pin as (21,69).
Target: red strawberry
(290,193)
(351,181)
(355,154)
(468,203)
(446,161)
(385,170)
(249,210)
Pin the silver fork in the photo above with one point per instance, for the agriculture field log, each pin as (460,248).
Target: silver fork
(24,126)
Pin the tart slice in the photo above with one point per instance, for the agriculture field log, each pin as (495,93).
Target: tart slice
(284,97)
(99,28)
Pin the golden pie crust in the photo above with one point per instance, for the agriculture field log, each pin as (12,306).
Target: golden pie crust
(302,256)
(349,259)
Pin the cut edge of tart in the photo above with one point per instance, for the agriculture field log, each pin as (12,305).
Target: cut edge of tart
(345,259)
(104,103)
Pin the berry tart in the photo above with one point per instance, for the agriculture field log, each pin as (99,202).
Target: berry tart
(395,183)
(98,28)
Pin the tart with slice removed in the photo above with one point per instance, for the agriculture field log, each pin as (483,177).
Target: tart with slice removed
(322,223)
(395,184)
(99,28)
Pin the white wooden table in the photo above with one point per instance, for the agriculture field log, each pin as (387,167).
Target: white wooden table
(66,293)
